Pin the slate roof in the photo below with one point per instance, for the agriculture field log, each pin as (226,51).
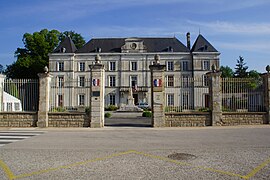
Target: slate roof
(68,44)
(202,45)
(113,45)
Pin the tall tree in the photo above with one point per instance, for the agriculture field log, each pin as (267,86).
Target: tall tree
(241,68)
(1,68)
(226,72)
(76,38)
(34,56)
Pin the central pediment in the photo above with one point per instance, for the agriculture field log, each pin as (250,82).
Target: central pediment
(133,45)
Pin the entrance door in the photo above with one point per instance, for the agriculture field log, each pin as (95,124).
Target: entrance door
(135,96)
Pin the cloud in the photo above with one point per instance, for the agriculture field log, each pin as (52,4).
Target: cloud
(235,28)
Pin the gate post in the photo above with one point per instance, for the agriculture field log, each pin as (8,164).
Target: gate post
(97,90)
(215,97)
(266,82)
(44,98)
(157,93)
(2,78)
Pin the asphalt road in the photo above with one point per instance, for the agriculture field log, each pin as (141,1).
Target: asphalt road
(139,153)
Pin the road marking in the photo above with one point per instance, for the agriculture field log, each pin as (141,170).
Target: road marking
(6,169)
(257,169)
(11,176)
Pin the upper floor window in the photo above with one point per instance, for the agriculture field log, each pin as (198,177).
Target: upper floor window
(170,66)
(112,66)
(82,66)
(133,66)
(60,66)
(206,65)
(185,66)
(133,81)
(81,81)
(112,81)
(170,81)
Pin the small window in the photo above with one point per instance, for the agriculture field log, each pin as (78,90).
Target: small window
(82,66)
(170,80)
(134,66)
(81,81)
(112,66)
(81,100)
(60,66)
(112,81)
(170,66)
(112,99)
(170,99)
(206,65)
(185,66)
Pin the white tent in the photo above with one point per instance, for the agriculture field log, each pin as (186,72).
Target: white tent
(11,103)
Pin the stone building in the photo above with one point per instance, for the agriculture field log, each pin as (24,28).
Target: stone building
(127,63)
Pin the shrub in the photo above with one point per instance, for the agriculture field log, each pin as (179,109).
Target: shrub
(108,115)
(147,114)
(59,109)
(111,108)
(87,110)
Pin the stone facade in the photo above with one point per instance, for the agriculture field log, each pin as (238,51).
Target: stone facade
(68,120)
(18,119)
(247,118)
(189,119)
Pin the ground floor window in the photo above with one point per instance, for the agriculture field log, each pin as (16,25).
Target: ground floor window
(60,100)
(112,99)
(170,99)
(81,99)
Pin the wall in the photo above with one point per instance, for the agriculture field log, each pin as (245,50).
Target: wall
(188,119)
(245,118)
(65,119)
(18,119)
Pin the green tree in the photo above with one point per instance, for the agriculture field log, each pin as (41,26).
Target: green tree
(226,72)
(34,56)
(1,68)
(241,68)
(76,38)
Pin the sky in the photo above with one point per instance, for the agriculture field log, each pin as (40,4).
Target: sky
(234,27)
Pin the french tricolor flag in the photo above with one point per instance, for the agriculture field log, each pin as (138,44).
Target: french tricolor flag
(96,82)
(157,82)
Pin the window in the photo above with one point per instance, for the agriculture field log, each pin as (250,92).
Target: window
(133,66)
(206,65)
(82,66)
(81,81)
(60,66)
(205,80)
(112,99)
(185,100)
(60,81)
(170,66)
(81,100)
(112,80)
(185,66)
(185,81)
(17,106)
(170,99)
(9,106)
(170,81)
(133,81)
(112,66)
(60,100)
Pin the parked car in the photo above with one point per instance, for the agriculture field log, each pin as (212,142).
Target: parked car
(143,105)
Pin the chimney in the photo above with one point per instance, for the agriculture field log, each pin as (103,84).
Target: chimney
(188,40)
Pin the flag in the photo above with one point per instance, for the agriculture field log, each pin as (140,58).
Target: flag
(157,82)
(95,82)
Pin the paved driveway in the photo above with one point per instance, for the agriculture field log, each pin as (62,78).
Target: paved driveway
(140,153)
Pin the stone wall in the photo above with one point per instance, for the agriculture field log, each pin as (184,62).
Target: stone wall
(188,119)
(245,118)
(18,119)
(65,119)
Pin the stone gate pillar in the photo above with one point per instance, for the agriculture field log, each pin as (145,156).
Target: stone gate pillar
(44,99)
(266,82)
(2,78)
(97,94)
(215,97)
(157,93)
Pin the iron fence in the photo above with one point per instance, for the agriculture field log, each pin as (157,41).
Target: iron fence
(186,94)
(242,94)
(69,95)
(21,95)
